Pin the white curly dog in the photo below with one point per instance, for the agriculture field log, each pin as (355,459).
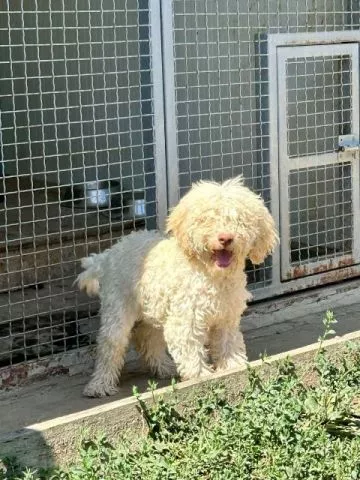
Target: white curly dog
(183,293)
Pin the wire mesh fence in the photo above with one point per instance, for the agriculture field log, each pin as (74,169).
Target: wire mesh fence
(77,144)
(77,154)
(222,89)
(319,111)
(320,213)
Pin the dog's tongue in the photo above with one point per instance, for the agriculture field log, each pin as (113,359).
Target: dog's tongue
(223,258)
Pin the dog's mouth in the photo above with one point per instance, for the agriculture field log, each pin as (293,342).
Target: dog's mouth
(222,258)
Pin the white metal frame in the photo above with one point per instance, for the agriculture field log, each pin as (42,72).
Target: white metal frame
(274,42)
(159,113)
(287,164)
(170,102)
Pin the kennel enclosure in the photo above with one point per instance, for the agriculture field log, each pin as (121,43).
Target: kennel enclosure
(110,109)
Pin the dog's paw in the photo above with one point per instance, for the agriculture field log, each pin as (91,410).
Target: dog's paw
(97,389)
(236,361)
(167,369)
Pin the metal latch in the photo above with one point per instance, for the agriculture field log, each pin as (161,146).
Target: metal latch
(348,143)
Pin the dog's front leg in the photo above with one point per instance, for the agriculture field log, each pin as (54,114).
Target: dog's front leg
(186,340)
(227,347)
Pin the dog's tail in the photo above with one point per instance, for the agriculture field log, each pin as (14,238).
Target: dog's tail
(88,280)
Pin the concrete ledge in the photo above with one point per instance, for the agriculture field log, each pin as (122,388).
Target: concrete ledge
(56,441)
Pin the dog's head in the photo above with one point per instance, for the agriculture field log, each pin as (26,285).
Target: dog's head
(223,224)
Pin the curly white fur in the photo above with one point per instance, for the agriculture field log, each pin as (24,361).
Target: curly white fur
(184,293)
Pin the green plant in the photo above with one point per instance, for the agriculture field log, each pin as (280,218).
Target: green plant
(277,428)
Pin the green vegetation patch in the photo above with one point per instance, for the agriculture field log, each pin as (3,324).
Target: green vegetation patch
(277,428)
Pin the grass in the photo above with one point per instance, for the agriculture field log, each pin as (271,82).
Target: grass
(277,428)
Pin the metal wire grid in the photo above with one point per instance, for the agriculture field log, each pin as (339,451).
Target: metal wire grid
(76,106)
(319,103)
(319,110)
(321,213)
(76,96)
(222,85)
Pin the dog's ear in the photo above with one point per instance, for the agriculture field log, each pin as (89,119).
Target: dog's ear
(267,236)
(177,225)
(175,220)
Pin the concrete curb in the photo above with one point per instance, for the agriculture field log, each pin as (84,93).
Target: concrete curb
(55,442)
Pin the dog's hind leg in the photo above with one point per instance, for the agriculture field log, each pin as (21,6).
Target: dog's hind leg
(150,343)
(112,343)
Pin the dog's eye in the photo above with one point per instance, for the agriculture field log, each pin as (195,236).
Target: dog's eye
(202,219)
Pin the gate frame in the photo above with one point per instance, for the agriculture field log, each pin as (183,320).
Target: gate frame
(172,160)
(290,40)
(334,159)
(159,119)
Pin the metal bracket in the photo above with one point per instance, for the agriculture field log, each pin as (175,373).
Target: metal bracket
(348,143)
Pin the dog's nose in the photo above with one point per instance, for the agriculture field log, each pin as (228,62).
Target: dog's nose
(225,239)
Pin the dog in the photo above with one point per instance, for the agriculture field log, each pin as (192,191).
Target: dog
(182,292)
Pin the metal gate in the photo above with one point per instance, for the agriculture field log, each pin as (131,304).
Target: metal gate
(142,98)
(315,96)
(319,188)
